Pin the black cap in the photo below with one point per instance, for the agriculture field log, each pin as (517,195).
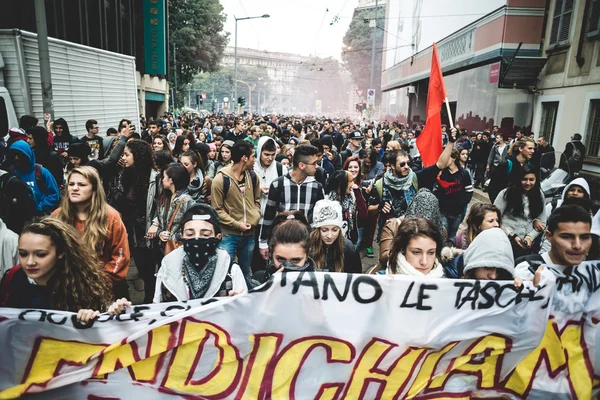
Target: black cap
(355,135)
(204,212)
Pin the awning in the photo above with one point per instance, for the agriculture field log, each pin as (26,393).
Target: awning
(521,72)
(153,96)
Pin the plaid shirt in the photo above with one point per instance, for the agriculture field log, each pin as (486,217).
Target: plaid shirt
(287,195)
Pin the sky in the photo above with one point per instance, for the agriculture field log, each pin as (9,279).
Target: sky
(295,26)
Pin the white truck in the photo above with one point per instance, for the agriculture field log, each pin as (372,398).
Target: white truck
(87,83)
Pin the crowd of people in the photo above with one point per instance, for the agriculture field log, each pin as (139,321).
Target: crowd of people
(212,206)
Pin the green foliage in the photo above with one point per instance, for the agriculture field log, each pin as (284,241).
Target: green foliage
(359,38)
(219,84)
(196,29)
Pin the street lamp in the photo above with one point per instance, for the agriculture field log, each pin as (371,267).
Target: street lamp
(235,53)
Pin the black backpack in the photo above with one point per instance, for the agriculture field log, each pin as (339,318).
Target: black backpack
(17,202)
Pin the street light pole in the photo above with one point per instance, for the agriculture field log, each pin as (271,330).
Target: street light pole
(235,79)
(373,49)
(249,94)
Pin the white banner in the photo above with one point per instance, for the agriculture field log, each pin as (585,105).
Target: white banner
(320,336)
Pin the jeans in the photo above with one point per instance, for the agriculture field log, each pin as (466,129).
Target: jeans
(358,243)
(452,223)
(242,246)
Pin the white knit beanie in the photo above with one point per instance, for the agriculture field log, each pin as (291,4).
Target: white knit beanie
(327,212)
(492,249)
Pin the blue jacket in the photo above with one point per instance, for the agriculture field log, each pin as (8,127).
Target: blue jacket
(46,200)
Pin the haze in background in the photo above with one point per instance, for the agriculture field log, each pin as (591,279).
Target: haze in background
(296,26)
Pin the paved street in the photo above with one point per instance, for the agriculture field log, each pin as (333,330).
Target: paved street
(136,285)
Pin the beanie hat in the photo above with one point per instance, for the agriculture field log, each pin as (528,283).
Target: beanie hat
(81,150)
(327,212)
(326,141)
(491,249)
(212,147)
(204,212)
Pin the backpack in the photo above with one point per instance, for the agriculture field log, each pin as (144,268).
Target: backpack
(576,156)
(17,202)
(279,168)
(227,182)
(38,176)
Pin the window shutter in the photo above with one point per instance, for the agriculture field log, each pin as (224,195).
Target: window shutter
(594,23)
(565,26)
(556,21)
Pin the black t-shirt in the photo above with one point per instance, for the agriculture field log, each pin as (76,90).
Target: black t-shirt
(97,146)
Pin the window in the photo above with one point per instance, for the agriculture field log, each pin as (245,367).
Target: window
(594,22)
(593,130)
(549,111)
(561,22)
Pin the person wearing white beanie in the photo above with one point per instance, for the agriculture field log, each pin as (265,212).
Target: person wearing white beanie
(328,247)
(489,257)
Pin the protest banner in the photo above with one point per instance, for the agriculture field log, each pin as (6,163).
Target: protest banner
(320,336)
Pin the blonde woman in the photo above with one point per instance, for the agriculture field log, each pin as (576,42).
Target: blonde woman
(99,225)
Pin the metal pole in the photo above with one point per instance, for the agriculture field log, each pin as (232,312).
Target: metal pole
(174,73)
(373,49)
(44,57)
(235,96)
(249,98)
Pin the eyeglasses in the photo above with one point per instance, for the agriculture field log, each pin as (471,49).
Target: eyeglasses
(403,163)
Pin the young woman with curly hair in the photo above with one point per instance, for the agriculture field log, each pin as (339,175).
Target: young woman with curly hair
(481,216)
(56,271)
(99,225)
(137,186)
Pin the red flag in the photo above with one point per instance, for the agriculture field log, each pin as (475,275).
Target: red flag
(429,141)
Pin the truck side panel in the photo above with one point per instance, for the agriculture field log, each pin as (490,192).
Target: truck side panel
(87,83)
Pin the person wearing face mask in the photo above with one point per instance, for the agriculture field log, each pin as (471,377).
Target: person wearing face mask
(327,246)
(289,243)
(198,269)
(416,249)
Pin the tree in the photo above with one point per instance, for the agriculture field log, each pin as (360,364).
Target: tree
(196,29)
(358,43)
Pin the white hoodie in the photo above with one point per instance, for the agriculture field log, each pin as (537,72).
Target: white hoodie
(265,176)
(545,245)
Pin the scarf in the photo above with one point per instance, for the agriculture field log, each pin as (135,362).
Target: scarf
(398,184)
(199,264)
(404,268)
(348,203)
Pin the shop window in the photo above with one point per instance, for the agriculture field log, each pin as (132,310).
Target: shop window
(594,22)
(561,22)
(549,111)
(593,130)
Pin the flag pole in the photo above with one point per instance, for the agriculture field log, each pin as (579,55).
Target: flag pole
(449,113)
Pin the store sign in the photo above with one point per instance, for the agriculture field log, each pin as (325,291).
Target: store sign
(155,51)
(495,73)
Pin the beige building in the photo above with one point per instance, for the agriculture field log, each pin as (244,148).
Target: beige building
(568,92)
(281,68)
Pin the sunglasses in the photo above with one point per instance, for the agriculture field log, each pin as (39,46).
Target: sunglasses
(404,163)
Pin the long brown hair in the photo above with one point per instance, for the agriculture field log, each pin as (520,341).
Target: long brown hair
(476,217)
(95,232)
(358,179)
(78,281)
(409,229)
(318,250)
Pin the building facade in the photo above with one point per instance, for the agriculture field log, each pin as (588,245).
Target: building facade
(115,25)
(567,98)
(491,59)
(281,69)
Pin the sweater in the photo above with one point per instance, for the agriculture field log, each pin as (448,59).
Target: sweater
(116,254)
(519,225)
(240,205)
(21,292)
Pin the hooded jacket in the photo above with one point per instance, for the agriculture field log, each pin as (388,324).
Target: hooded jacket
(545,245)
(9,243)
(46,200)
(239,205)
(62,142)
(45,155)
(266,175)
